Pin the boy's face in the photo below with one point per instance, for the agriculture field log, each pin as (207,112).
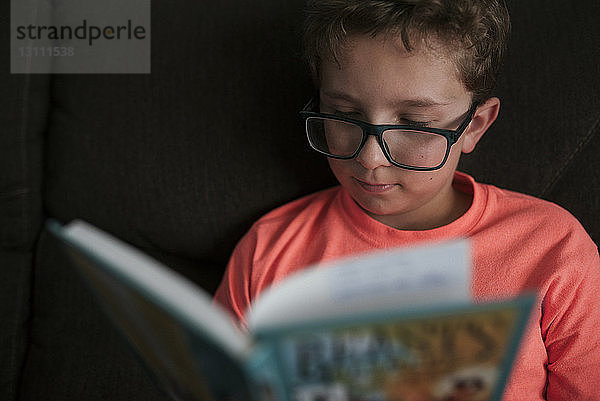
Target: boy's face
(377,81)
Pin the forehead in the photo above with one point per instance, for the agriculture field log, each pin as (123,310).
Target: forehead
(381,67)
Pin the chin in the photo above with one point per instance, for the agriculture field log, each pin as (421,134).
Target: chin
(378,206)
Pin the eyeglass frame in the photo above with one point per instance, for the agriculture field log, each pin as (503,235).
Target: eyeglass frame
(377,130)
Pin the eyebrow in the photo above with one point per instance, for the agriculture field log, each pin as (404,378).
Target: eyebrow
(340,96)
(420,102)
(423,102)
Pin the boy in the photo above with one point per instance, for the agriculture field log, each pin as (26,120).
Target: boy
(403,89)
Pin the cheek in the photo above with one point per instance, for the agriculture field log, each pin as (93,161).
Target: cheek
(454,156)
(342,169)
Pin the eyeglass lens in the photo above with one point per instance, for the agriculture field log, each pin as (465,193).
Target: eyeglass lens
(408,147)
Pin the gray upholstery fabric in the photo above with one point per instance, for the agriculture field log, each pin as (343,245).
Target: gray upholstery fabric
(216,120)
(74,353)
(180,163)
(546,137)
(23,109)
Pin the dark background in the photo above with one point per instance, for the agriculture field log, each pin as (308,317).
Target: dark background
(181,161)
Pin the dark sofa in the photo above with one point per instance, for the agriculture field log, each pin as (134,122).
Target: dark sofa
(181,161)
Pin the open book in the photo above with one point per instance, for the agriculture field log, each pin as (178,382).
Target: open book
(391,325)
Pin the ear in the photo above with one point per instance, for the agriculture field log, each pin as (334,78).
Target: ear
(483,117)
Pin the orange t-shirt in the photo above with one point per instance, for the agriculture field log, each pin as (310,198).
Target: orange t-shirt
(519,243)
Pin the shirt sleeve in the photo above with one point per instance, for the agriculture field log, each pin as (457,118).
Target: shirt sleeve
(234,291)
(571,327)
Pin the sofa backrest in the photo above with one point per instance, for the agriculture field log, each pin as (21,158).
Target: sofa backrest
(546,139)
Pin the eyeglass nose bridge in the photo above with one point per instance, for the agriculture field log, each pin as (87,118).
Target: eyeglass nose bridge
(373,130)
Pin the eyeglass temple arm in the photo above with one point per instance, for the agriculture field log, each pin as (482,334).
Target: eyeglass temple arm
(468,119)
(310,104)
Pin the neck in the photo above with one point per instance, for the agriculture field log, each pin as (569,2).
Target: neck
(454,204)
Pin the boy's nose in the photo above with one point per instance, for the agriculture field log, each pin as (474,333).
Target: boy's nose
(371,155)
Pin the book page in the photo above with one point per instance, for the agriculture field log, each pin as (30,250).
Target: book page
(401,279)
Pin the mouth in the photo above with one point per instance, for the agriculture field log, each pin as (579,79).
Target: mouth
(375,187)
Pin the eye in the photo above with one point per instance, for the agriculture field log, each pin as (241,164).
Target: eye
(347,114)
(340,110)
(417,124)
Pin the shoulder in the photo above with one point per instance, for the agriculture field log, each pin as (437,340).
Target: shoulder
(525,216)
(291,220)
(526,206)
(286,239)
(272,248)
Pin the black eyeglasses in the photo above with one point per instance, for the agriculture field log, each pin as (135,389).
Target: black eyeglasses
(405,146)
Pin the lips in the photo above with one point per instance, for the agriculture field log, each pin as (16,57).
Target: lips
(375,187)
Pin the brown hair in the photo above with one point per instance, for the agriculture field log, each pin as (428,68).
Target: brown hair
(474,31)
